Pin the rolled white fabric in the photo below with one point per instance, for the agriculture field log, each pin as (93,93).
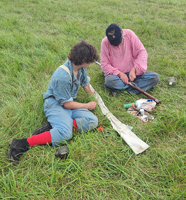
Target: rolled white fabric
(135,143)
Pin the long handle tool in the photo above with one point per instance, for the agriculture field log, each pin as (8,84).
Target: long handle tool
(133,85)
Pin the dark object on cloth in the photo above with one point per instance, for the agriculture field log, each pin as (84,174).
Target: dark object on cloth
(114,34)
(41,129)
(132,84)
(62,152)
(16,149)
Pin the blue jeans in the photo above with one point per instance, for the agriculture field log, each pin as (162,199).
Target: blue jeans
(146,81)
(61,120)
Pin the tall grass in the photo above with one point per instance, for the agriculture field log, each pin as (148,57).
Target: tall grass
(35,38)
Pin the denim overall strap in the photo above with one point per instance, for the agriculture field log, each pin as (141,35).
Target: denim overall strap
(67,70)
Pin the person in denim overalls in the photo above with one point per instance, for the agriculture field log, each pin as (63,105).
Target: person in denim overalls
(63,113)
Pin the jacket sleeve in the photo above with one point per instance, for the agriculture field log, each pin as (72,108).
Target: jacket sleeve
(105,59)
(62,90)
(139,54)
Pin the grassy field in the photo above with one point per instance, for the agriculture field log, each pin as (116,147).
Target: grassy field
(35,38)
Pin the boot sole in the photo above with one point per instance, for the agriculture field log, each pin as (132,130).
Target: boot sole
(9,153)
(10,158)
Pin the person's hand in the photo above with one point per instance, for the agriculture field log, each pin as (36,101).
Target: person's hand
(132,74)
(124,78)
(91,105)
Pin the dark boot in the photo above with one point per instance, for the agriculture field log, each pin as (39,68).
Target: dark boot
(41,129)
(17,148)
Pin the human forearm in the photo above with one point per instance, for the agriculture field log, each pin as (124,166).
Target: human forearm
(132,74)
(107,68)
(87,89)
(76,105)
(123,77)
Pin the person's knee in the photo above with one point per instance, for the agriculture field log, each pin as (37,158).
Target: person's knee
(94,122)
(115,83)
(155,79)
(65,133)
(110,81)
(68,136)
(87,124)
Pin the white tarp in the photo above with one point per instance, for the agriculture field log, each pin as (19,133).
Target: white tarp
(136,144)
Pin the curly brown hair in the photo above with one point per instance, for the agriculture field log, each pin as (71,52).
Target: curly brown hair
(83,52)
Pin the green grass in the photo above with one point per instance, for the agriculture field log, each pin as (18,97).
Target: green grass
(35,38)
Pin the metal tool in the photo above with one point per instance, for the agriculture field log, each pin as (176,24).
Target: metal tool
(97,63)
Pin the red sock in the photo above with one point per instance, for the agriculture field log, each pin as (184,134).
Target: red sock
(75,128)
(42,138)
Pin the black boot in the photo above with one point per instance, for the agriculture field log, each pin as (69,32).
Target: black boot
(41,129)
(17,148)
